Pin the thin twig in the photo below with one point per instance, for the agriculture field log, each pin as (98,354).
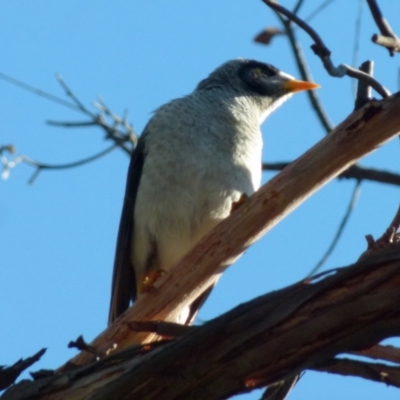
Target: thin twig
(313,14)
(389,237)
(342,225)
(125,138)
(72,124)
(297,7)
(71,94)
(324,53)
(38,92)
(357,35)
(305,74)
(41,166)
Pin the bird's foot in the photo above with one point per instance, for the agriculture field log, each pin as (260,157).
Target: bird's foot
(149,280)
(244,198)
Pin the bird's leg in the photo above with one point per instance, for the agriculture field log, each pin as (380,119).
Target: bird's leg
(149,280)
(244,198)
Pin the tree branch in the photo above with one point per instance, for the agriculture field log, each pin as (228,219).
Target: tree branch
(361,133)
(377,372)
(388,38)
(259,343)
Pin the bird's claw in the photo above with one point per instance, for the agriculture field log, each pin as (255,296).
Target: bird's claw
(244,198)
(149,280)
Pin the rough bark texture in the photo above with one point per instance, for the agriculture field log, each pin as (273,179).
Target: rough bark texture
(255,344)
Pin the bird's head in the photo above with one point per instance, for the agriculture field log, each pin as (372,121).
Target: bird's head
(265,84)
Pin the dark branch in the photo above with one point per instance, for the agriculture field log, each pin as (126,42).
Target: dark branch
(8,375)
(381,352)
(287,331)
(376,372)
(364,90)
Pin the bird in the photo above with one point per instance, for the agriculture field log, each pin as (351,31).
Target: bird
(195,160)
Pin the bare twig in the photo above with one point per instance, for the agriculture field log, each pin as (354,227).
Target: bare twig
(37,91)
(390,375)
(389,237)
(313,14)
(388,38)
(41,166)
(8,375)
(324,53)
(119,131)
(120,137)
(342,225)
(357,34)
(305,74)
(363,89)
(297,7)
(393,45)
(382,352)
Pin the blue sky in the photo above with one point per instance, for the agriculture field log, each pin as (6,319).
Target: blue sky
(58,235)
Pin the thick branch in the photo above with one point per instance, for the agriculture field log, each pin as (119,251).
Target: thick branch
(361,133)
(256,344)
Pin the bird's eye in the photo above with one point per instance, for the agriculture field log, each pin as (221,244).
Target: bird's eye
(269,70)
(255,75)
(264,71)
(259,71)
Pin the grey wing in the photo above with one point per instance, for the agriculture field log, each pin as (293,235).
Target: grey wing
(123,289)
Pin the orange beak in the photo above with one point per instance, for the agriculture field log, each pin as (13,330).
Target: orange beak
(297,86)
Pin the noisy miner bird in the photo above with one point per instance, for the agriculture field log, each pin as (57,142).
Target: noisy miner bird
(194,160)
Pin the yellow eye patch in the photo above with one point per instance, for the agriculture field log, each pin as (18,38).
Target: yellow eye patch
(259,71)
